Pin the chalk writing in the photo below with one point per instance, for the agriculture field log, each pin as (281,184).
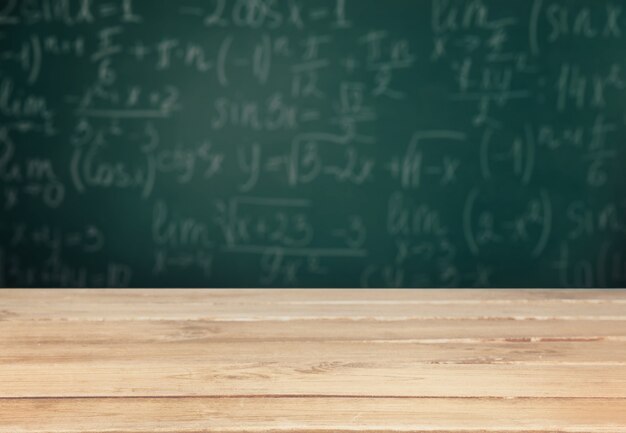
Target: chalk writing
(321,143)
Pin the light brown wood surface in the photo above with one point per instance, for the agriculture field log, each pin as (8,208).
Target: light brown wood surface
(122,361)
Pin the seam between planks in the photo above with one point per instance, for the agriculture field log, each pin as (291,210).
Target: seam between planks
(307,396)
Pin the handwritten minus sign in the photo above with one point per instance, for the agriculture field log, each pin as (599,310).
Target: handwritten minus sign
(121,114)
(308,116)
(328,252)
(107,10)
(491,95)
(304,67)
(190,11)
(318,14)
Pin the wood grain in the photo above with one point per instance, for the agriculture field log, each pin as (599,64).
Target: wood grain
(313,414)
(312,360)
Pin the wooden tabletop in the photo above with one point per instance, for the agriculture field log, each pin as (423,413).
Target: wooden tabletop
(312,361)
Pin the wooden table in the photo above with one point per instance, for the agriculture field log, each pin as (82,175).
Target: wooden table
(316,361)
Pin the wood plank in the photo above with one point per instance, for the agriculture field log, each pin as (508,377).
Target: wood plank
(288,305)
(357,378)
(312,414)
(419,331)
(306,354)
(323,295)
(319,361)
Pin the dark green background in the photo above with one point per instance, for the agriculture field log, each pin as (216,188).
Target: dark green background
(125,218)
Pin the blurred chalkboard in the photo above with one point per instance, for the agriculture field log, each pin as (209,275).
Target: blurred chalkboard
(326,143)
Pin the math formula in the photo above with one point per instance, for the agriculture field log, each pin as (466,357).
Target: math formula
(321,143)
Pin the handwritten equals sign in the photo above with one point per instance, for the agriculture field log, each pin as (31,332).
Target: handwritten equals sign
(275,163)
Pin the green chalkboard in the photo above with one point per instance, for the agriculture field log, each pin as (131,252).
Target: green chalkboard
(318,143)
